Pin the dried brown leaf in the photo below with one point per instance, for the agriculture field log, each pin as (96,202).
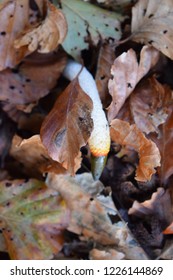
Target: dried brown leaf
(169,229)
(149,156)
(31,152)
(165,145)
(32,79)
(152,23)
(105,59)
(149,105)
(48,35)
(15,16)
(159,205)
(68,127)
(88,217)
(126,74)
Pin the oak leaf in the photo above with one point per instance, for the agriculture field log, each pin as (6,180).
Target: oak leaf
(68,126)
(149,157)
(152,23)
(48,35)
(32,219)
(126,74)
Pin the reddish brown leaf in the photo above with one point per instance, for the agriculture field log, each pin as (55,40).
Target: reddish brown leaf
(169,229)
(105,60)
(165,145)
(149,105)
(31,152)
(15,16)
(149,156)
(48,35)
(159,204)
(126,74)
(68,126)
(32,79)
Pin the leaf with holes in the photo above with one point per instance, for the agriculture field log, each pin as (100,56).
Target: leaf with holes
(32,219)
(83,19)
(152,23)
(68,126)
(126,74)
(30,80)
(47,36)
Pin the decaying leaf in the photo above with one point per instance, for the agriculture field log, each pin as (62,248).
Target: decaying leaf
(105,59)
(48,35)
(110,254)
(31,152)
(152,23)
(149,157)
(126,74)
(84,18)
(159,205)
(15,16)
(169,229)
(149,105)
(32,219)
(68,127)
(88,216)
(32,79)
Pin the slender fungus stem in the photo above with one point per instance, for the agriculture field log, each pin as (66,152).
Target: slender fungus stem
(99,141)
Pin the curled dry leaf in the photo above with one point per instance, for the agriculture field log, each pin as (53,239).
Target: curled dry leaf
(159,205)
(48,35)
(15,16)
(32,79)
(126,74)
(68,127)
(149,157)
(152,23)
(88,217)
(31,152)
(32,219)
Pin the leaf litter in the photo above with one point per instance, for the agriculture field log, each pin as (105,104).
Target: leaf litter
(42,208)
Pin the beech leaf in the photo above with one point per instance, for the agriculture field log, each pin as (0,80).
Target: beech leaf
(31,81)
(149,105)
(48,35)
(84,18)
(15,16)
(152,23)
(149,157)
(68,126)
(31,152)
(126,74)
(88,216)
(32,219)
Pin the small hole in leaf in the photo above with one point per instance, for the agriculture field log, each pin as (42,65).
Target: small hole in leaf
(91,198)
(8,184)
(12,87)
(3,33)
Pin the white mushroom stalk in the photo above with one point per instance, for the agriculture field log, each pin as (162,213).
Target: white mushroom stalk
(99,141)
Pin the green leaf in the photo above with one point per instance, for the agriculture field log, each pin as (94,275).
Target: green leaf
(32,218)
(86,19)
